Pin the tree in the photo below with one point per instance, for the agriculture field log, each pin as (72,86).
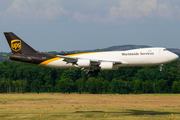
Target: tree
(79,85)
(125,73)
(73,74)
(35,86)
(90,85)
(176,87)
(137,85)
(121,86)
(147,87)
(106,86)
(62,85)
(129,87)
(3,85)
(48,81)
(22,77)
(161,86)
(99,85)
(65,85)
(114,86)
(70,86)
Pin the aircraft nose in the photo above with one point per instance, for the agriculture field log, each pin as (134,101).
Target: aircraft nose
(173,57)
(176,57)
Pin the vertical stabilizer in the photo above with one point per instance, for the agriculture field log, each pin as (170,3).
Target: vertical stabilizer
(17,45)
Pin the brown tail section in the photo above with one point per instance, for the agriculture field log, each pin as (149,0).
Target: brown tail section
(17,45)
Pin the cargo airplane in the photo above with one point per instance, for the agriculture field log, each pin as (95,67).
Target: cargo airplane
(89,61)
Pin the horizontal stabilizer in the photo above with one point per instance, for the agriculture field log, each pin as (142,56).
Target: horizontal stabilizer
(10,56)
(23,59)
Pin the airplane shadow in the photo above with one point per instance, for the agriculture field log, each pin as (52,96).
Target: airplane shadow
(133,112)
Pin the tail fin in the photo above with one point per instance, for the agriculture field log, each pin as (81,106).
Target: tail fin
(17,45)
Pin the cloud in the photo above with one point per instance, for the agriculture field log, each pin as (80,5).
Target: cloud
(137,9)
(165,10)
(146,7)
(178,11)
(133,10)
(81,17)
(37,9)
(100,11)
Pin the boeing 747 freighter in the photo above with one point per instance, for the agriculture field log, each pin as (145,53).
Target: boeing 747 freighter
(89,61)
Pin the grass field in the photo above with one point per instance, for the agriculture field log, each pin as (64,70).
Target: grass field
(89,106)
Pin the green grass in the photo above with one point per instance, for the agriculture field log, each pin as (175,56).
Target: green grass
(88,106)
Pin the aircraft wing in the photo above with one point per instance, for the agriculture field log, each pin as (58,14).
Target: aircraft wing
(74,60)
(68,59)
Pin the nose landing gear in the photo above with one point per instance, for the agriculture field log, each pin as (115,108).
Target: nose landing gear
(161,67)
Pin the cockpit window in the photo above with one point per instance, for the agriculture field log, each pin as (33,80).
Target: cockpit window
(164,49)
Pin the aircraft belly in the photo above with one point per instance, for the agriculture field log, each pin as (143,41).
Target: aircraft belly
(144,61)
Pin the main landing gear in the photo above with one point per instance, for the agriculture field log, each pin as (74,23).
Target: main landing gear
(91,71)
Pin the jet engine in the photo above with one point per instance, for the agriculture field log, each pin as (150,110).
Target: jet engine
(107,66)
(84,63)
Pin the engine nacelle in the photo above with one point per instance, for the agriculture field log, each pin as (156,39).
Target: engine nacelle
(84,63)
(107,66)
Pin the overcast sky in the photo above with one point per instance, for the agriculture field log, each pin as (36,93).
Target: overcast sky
(57,25)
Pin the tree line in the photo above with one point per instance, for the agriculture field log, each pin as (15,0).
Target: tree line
(17,77)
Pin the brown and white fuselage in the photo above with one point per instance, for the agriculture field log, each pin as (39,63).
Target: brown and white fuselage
(105,60)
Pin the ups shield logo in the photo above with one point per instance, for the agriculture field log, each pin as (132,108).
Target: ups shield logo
(16,45)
